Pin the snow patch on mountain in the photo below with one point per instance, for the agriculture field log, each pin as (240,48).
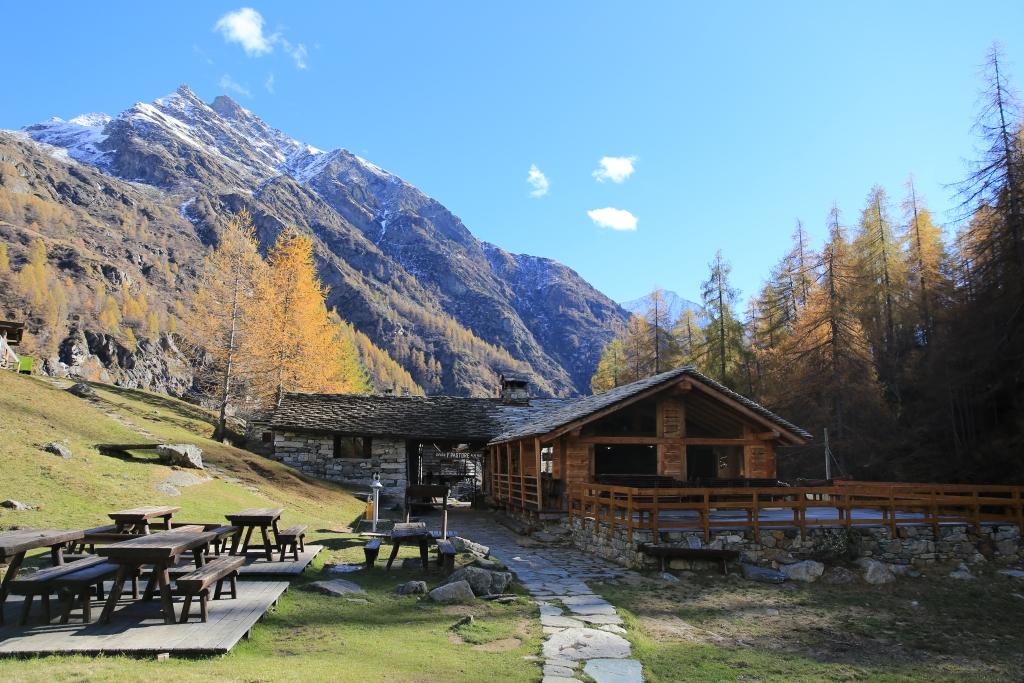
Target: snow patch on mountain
(79,137)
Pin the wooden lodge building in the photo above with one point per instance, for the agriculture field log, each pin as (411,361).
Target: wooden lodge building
(672,428)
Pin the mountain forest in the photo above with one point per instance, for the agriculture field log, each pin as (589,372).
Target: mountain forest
(902,344)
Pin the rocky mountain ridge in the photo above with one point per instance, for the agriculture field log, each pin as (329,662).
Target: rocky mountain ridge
(454,311)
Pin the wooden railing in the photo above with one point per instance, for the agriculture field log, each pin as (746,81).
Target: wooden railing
(664,509)
(516,490)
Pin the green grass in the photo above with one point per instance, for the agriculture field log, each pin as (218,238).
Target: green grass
(933,629)
(309,636)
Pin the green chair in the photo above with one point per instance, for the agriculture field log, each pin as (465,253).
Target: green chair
(24,365)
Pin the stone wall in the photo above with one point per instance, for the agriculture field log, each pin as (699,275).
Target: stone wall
(313,454)
(912,545)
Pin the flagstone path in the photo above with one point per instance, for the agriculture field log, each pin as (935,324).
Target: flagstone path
(582,630)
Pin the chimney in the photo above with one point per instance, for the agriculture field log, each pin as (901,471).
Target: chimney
(515,391)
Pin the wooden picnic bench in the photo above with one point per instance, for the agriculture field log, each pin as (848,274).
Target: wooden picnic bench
(15,544)
(664,552)
(197,584)
(404,533)
(80,585)
(446,556)
(293,537)
(160,551)
(370,551)
(224,532)
(252,518)
(137,520)
(43,582)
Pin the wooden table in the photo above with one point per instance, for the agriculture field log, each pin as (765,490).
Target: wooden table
(136,520)
(405,533)
(159,550)
(248,520)
(14,545)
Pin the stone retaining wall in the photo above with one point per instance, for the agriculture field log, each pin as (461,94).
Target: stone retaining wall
(912,545)
(313,454)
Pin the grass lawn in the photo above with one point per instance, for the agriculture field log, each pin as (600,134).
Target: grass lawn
(713,628)
(309,636)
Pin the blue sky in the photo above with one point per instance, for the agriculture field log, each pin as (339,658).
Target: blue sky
(740,117)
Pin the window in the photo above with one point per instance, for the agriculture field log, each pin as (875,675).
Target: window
(351,447)
(547,460)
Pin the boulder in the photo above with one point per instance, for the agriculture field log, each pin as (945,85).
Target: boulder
(464,545)
(15,505)
(336,588)
(482,581)
(906,570)
(412,588)
(181,454)
(58,448)
(460,591)
(962,573)
(876,572)
(807,571)
(838,576)
(81,390)
(752,572)
(491,565)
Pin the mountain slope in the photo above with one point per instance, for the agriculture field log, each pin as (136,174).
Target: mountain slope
(405,270)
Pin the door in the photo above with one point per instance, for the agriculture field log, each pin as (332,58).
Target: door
(701,463)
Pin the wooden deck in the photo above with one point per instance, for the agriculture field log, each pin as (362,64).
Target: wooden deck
(138,629)
(257,567)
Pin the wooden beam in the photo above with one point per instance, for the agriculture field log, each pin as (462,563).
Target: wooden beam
(767,436)
(536,452)
(711,441)
(639,440)
(739,407)
(597,415)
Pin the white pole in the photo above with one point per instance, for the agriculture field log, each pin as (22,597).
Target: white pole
(376,486)
(828,457)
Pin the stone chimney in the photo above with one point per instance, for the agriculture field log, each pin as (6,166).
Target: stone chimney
(515,390)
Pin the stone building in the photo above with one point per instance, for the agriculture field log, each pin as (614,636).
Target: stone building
(676,426)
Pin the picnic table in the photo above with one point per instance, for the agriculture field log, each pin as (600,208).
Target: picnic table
(161,551)
(136,520)
(14,545)
(407,533)
(250,519)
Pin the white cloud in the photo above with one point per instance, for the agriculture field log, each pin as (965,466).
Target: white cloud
(538,181)
(615,169)
(296,52)
(614,219)
(269,83)
(228,83)
(245,27)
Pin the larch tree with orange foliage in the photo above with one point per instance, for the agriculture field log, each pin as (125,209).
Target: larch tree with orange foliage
(221,319)
(301,350)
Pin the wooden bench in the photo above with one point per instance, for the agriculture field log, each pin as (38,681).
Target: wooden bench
(198,583)
(663,552)
(41,583)
(370,551)
(224,534)
(293,537)
(80,585)
(446,556)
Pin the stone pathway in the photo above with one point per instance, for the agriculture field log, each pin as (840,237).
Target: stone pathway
(582,631)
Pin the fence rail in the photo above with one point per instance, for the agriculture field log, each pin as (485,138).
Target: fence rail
(853,502)
(518,490)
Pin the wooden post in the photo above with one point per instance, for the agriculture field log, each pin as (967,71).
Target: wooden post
(629,519)
(706,512)
(540,494)
(508,474)
(522,477)
(755,514)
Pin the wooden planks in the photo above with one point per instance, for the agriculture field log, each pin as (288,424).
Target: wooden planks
(156,547)
(138,630)
(22,540)
(145,512)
